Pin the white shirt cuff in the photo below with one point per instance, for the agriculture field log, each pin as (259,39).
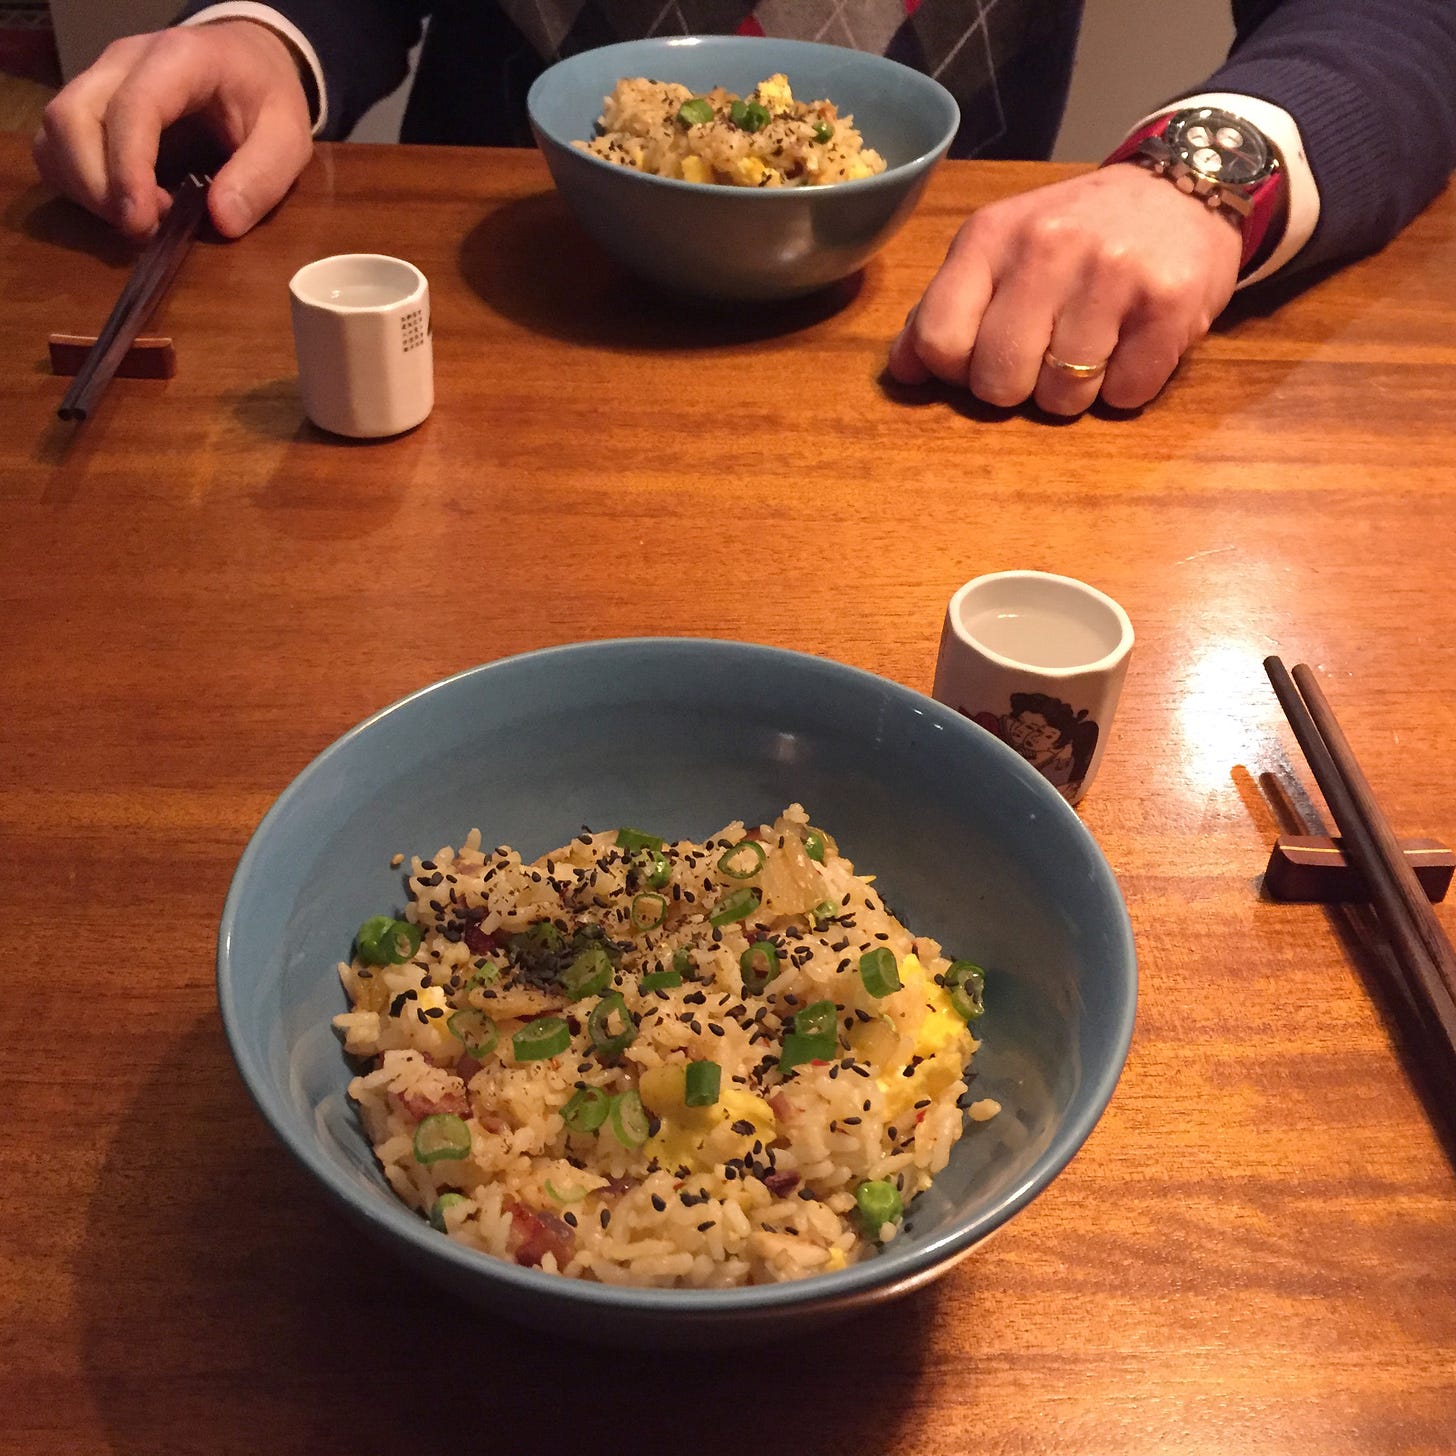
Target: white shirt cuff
(1280,128)
(280,25)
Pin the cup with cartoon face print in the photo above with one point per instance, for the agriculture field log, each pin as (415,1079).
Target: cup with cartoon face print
(1039,661)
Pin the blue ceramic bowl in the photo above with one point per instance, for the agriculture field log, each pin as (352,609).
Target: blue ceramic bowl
(741,242)
(970,845)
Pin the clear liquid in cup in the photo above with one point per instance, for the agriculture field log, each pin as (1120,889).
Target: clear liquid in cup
(366,293)
(1040,636)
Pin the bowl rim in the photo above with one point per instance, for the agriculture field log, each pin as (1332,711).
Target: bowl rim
(891,177)
(895,1269)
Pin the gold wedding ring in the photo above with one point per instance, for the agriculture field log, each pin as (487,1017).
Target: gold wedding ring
(1077,371)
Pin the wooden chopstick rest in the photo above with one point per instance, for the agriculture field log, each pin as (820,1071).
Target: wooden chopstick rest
(147,358)
(1312,868)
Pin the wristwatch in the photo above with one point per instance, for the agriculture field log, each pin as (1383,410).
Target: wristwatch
(1217,156)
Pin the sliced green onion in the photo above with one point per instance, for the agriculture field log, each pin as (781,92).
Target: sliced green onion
(544,935)
(695,112)
(586,1109)
(403,942)
(629,1120)
(599,1026)
(369,940)
(799,1048)
(575,1196)
(967,986)
(653,868)
(879,1203)
(823,131)
(682,961)
(384,941)
(636,839)
(702,1084)
(818,1019)
(486,974)
(441,1135)
(759,965)
(659,981)
(824,910)
(546,1036)
(743,861)
(649,910)
(438,1207)
(879,971)
(589,974)
(750,115)
(814,846)
(476,1030)
(737,906)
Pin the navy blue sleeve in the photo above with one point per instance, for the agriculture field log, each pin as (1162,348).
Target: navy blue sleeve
(362,45)
(1372,87)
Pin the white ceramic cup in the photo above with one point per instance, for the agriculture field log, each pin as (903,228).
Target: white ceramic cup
(361,331)
(1038,660)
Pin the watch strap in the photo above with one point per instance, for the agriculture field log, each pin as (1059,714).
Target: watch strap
(1264,200)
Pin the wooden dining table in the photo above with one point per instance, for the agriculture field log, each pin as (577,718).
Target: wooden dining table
(1254,1252)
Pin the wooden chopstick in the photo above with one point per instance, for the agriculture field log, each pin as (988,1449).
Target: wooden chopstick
(151,277)
(1425,963)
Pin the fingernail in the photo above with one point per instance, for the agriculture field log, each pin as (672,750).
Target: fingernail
(231,213)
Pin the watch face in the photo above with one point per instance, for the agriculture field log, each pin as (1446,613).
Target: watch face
(1220,146)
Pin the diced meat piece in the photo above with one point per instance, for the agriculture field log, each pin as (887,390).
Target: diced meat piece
(536,1233)
(477,941)
(781,1184)
(420,1105)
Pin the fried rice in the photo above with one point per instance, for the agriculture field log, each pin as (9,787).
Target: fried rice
(686,1064)
(764,139)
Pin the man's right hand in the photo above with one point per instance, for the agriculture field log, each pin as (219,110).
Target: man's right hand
(100,136)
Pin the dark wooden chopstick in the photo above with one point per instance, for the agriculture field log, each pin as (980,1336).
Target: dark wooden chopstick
(151,276)
(1424,959)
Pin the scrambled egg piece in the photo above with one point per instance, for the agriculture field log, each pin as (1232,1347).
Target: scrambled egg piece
(701,1138)
(942,1041)
(432,1036)
(749,171)
(775,93)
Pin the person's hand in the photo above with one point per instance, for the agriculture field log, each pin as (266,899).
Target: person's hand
(1115,265)
(99,139)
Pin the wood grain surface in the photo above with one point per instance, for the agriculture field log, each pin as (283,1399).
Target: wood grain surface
(1256,1249)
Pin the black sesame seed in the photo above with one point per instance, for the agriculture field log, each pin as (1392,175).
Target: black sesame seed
(706,1224)
(569,1217)
(659,1203)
